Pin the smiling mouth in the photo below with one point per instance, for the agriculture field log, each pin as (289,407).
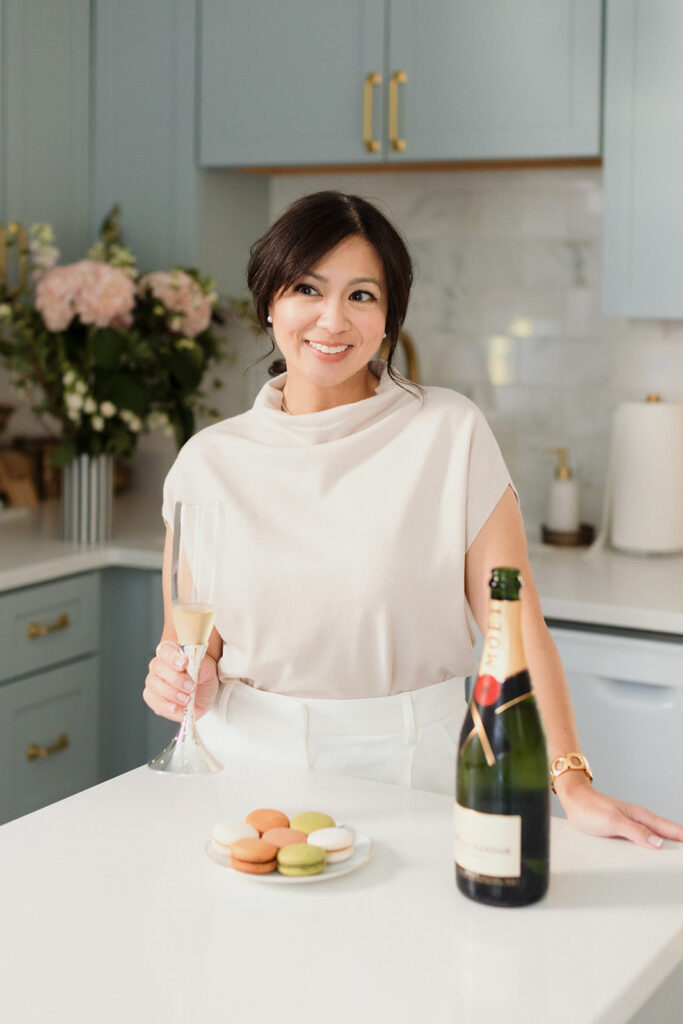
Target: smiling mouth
(328,350)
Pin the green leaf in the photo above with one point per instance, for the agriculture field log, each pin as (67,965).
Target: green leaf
(125,392)
(107,348)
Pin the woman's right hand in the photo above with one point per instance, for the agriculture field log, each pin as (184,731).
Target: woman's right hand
(168,685)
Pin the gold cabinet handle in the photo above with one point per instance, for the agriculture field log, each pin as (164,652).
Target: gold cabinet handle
(398,78)
(35,629)
(371,80)
(35,751)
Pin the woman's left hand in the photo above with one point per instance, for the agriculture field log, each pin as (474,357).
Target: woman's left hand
(594,812)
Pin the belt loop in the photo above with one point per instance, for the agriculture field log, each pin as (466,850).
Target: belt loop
(228,688)
(409,728)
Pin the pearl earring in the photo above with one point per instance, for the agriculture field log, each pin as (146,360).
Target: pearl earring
(269,319)
(383,336)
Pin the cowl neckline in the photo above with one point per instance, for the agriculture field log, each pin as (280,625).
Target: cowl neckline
(328,424)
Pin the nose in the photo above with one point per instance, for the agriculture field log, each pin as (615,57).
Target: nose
(332,316)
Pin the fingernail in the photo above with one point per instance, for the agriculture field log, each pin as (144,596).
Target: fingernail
(178,661)
(655,841)
(188,685)
(182,698)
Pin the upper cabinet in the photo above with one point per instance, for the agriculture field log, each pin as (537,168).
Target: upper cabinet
(378,81)
(45,116)
(643,160)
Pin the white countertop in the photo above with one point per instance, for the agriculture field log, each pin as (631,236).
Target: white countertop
(112,911)
(605,588)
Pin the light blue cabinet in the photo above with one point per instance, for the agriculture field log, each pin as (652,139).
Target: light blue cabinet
(132,620)
(643,159)
(49,688)
(378,81)
(283,83)
(44,117)
(490,79)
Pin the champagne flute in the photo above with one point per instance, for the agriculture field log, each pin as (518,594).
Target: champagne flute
(196,546)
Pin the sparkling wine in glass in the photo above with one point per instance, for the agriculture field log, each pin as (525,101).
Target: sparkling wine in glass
(196,546)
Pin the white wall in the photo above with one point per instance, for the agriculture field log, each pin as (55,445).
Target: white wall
(506,309)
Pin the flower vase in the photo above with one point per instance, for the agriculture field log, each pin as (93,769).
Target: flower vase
(87,499)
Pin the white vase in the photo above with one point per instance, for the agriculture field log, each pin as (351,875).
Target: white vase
(87,499)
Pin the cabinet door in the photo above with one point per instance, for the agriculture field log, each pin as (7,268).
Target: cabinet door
(490,79)
(48,737)
(283,83)
(44,144)
(643,159)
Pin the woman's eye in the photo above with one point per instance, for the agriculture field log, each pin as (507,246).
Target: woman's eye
(362,296)
(305,289)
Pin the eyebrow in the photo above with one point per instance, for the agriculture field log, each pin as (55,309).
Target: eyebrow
(354,280)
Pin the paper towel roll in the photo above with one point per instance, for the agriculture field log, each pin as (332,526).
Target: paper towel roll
(647,477)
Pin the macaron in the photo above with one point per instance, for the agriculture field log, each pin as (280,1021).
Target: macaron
(309,821)
(283,837)
(265,818)
(254,856)
(301,859)
(224,834)
(336,842)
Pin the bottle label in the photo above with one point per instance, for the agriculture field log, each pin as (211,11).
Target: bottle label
(488,846)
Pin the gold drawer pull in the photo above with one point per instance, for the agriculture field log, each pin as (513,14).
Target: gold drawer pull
(372,79)
(35,629)
(398,78)
(34,750)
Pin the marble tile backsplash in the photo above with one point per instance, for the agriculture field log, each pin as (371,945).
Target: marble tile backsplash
(506,309)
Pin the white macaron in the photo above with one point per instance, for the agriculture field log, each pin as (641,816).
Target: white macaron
(336,842)
(225,833)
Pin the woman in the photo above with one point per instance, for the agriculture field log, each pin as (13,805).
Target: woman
(363,519)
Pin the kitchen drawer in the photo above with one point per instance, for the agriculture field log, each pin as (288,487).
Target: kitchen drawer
(44,625)
(38,712)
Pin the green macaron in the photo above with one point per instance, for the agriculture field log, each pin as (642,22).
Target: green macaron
(301,859)
(309,821)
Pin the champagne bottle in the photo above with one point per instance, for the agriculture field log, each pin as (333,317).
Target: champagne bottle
(502,791)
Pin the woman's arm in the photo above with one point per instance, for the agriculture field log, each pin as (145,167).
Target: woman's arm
(502,541)
(167,686)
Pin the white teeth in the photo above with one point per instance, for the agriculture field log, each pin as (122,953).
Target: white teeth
(329,350)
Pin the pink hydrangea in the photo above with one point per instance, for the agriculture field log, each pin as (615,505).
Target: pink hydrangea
(182,297)
(97,293)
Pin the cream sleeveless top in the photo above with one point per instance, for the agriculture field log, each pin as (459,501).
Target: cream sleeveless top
(342,568)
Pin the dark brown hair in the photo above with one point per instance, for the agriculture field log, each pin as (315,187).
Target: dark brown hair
(307,231)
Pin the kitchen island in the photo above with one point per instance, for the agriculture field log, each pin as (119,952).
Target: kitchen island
(112,911)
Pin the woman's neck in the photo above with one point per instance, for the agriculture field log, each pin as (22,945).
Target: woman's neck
(303,396)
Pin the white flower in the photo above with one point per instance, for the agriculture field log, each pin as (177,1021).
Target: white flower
(74,402)
(107,409)
(5,311)
(212,296)
(74,415)
(81,388)
(97,423)
(43,233)
(96,252)
(185,343)
(156,420)
(69,378)
(175,323)
(169,431)
(133,422)
(90,405)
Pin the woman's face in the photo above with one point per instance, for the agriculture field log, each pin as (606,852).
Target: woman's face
(330,322)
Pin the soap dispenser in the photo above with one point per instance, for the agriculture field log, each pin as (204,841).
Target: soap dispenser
(563,507)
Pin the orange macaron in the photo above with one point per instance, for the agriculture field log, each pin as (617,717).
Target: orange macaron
(265,818)
(253,856)
(283,837)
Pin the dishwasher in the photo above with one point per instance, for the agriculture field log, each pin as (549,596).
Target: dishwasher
(627,692)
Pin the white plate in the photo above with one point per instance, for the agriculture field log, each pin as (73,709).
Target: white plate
(362,852)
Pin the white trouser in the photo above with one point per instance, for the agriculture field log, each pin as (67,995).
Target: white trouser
(409,739)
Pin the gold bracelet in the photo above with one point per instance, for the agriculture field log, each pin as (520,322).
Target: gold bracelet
(574,761)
